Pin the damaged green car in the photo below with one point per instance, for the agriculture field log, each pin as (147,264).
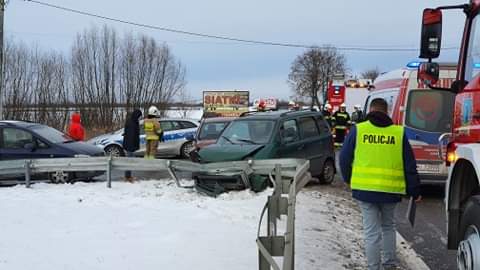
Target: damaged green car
(268,135)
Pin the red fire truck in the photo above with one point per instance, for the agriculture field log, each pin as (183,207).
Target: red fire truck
(425,113)
(335,94)
(463,149)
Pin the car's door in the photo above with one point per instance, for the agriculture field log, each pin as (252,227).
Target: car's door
(290,145)
(169,139)
(174,133)
(18,143)
(313,142)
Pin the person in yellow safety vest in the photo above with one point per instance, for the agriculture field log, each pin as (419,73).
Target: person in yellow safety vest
(153,132)
(377,161)
(341,123)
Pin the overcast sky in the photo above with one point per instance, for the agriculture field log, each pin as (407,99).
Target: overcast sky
(214,64)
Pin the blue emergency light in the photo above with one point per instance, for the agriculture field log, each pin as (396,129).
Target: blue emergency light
(413,64)
(476,65)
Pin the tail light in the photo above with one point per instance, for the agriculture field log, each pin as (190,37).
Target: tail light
(451,155)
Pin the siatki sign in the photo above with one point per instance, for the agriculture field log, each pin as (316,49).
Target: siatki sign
(225,103)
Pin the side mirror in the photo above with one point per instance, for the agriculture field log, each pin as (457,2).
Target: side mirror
(428,73)
(29,146)
(431,40)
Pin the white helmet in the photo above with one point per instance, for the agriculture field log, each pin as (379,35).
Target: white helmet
(343,105)
(357,106)
(153,111)
(291,103)
(328,106)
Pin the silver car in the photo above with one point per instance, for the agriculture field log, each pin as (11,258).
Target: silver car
(175,133)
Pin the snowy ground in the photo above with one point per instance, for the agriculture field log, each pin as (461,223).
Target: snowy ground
(155,225)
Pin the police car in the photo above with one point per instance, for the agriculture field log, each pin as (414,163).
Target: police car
(175,134)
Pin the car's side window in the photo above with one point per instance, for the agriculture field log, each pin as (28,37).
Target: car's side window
(322,125)
(186,124)
(289,131)
(41,144)
(308,127)
(177,125)
(166,125)
(14,138)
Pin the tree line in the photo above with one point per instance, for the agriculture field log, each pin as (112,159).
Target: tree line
(102,68)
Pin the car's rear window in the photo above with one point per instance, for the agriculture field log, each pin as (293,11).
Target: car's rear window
(51,134)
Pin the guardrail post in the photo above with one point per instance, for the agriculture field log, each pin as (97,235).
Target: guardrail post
(273,207)
(27,173)
(172,173)
(262,262)
(109,172)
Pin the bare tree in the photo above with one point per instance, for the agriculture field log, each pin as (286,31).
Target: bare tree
(150,75)
(94,59)
(371,74)
(311,71)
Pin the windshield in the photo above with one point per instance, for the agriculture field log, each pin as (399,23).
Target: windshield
(211,131)
(430,111)
(51,134)
(248,131)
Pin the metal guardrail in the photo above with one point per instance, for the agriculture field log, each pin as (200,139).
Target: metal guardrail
(275,245)
(288,177)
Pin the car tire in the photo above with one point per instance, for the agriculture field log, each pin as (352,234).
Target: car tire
(186,149)
(328,173)
(114,151)
(468,256)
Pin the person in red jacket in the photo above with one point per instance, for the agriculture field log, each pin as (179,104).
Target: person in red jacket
(75,129)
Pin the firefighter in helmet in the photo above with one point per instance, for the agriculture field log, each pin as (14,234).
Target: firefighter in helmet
(341,123)
(153,132)
(327,113)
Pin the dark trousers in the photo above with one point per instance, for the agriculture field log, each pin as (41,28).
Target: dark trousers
(340,135)
(128,174)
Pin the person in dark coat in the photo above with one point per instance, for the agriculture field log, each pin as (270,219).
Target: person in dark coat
(75,129)
(131,138)
(376,182)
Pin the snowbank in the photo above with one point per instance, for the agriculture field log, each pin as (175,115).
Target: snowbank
(155,225)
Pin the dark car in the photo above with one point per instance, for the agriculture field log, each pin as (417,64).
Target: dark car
(208,132)
(25,140)
(277,134)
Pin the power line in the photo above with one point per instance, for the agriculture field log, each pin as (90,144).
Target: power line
(227,38)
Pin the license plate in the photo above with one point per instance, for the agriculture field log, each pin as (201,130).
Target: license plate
(428,168)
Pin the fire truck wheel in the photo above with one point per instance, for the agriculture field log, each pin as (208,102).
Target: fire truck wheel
(468,252)
(328,173)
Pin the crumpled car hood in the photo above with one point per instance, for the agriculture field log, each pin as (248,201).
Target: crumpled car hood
(234,152)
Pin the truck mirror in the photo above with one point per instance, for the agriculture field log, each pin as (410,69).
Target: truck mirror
(431,40)
(428,73)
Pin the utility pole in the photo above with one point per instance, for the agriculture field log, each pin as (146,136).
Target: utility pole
(2,64)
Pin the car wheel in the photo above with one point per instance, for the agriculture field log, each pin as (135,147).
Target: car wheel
(328,172)
(59,177)
(186,149)
(468,252)
(114,151)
